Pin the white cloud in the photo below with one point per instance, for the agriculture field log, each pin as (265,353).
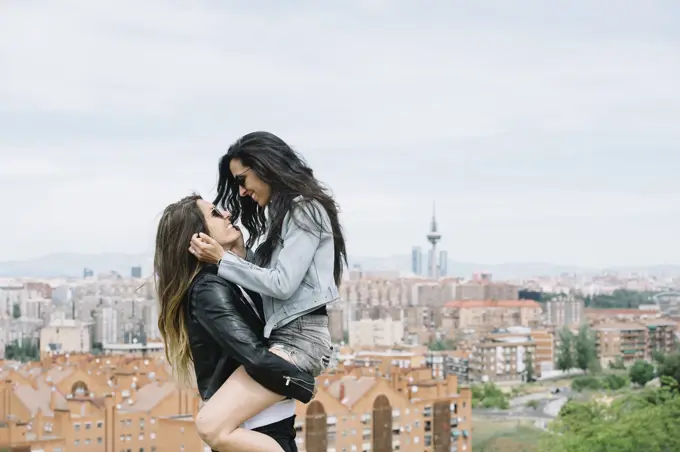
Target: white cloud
(128,105)
(18,167)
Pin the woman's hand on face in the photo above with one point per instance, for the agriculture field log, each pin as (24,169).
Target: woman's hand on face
(206,249)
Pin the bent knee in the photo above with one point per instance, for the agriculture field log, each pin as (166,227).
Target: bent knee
(204,427)
(212,430)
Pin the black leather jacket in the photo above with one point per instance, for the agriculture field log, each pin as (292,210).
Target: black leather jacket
(224,333)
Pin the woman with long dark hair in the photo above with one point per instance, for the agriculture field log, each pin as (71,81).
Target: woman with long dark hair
(297,268)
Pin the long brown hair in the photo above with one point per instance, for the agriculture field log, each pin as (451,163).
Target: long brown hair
(174,270)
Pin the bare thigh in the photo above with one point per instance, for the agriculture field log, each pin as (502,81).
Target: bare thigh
(237,400)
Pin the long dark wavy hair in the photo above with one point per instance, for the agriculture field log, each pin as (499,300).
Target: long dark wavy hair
(288,175)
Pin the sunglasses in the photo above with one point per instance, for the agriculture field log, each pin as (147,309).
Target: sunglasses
(241,178)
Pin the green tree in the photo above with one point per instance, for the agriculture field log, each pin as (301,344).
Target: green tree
(586,382)
(615,381)
(565,352)
(441,345)
(640,421)
(658,357)
(619,299)
(529,365)
(641,373)
(617,364)
(670,367)
(585,353)
(488,395)
(23,350)
(578,415)
(16,310)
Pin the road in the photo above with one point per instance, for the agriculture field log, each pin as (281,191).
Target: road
(552,408)
(548,408)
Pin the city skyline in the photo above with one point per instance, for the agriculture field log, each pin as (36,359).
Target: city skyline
(506,175)
(537,137)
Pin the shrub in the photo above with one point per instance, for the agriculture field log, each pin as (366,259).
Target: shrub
(585,382)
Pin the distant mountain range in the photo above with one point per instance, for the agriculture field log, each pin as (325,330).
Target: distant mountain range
(466,269)
(59,265)
(72,265)
(510,270)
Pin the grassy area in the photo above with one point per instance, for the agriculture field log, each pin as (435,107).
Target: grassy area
(539,386)
(494,436)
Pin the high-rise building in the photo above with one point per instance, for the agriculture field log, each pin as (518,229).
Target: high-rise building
(436,261)
(88,273)
(433,237)
(150,318)
(564,310)
(443,259)
(417,260)
(109,325)
(136,272)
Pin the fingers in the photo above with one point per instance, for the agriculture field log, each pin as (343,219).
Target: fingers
(198,246)
(202,241)
(207,239)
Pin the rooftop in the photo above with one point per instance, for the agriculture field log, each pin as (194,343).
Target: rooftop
(469,304)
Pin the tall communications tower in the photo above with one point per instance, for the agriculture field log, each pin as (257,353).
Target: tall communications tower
(433,237)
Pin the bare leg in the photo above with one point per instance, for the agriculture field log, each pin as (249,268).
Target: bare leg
(239,399)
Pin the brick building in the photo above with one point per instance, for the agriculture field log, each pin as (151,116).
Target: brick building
(128,403)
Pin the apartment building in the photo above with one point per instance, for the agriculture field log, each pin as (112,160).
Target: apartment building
(408,411)
(661,335)
(482,287)
(544,357)
(633,340)
(385,331)
(483,316)
(337,320)
(94,404)
(382,359)
(117,403)
(624,315)
(627,340)
(503,356)
(449,362)
(65,336)
(564,310)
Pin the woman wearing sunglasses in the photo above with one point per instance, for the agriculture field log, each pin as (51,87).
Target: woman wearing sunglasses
(297,269)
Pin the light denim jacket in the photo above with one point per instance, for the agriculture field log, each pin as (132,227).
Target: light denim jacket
(299,278)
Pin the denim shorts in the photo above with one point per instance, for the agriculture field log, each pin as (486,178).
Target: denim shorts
(306,341)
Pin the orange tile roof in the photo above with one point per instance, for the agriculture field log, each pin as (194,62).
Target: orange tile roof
(468,304)
(149,396)
(353,389)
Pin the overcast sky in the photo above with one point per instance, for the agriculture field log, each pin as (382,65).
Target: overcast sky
(544,130)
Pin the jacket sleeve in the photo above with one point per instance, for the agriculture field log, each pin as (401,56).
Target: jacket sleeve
(300,239)
(214,308)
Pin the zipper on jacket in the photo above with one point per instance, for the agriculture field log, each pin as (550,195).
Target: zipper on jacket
(290,380)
